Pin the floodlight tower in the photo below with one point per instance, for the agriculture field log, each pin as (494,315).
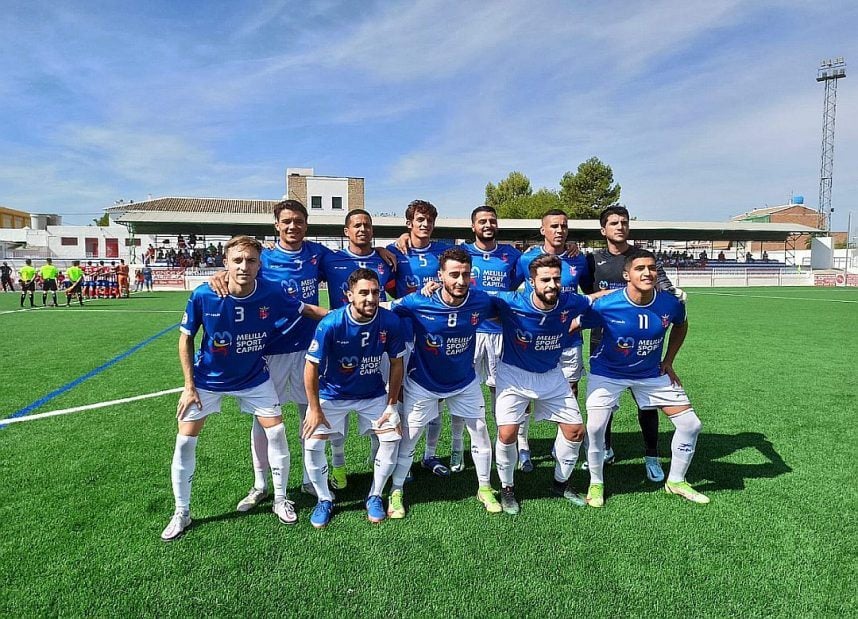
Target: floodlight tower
(829,72)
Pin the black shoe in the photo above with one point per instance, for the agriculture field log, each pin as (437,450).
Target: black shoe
(508,502)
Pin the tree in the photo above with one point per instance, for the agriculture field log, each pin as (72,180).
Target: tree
(589,191)
(102,221)
(516,185)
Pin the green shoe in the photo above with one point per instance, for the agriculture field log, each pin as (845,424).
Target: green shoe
(487,497)
(596,495)
(684,489)
(508,502)
(338,479)
(457,462)
(564,489)
(395,508)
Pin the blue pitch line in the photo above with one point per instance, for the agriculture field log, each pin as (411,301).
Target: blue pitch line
(68,386)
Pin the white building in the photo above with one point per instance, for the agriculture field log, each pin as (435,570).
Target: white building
(324,194)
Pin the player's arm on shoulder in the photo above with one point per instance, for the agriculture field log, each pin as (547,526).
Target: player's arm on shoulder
(430,287)
(403,242)
(219,282)
(598,293)
(386,255)
(316,312)
(189,390)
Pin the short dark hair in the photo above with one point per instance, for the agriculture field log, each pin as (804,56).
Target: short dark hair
(554,212)
(75,263)
(636,253)
(359,274)
(50,260)
(421,206)
(28,261)
(483,209)
(545,260)
(357,211)
(456,254)
(613,210)
(289,205)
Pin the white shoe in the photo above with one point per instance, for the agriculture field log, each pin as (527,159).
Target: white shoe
(285,511)
(253,498)
(177,525)
(654,472)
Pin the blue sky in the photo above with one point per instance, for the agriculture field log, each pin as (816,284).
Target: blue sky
(703,109)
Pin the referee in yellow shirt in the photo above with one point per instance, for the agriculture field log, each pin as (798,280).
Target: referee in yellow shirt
(75,274)
(27,275)
(49,281)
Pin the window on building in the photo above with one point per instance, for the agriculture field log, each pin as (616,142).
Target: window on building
(337,203)
(68,240)
(130,242)
(315,201)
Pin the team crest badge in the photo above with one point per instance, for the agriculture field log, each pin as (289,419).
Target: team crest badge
(313,260)
(382,336)
(381,268)
(475,318)
(665,320)
(263,313)
(564,316)
(573,271)
(504,257)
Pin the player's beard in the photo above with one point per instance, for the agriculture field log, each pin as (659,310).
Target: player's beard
(454,293)
(549,301)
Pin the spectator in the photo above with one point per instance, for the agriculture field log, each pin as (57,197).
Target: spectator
(721,256)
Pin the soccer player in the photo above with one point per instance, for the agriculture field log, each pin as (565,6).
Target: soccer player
(75,274)
(147,276)
(27,273)
(494,269)
(122,279)
(634,324)
(89,276)
(49,281)
(344,373)
(574,273)
(417,264)
(442,367)
(607,266)
(236,330)
(6,278)
(535,326)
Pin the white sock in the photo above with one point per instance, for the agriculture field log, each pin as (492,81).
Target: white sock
(523,430)
(457,429)
(338,446)
(405,457)
(259,455)
(302,413)
(506,457)
(566,455)
(597,423)
(182,470)
(481,449)
(317,466)
(433,433)
(279,458)
(385,463)
(373,447)
(684,442)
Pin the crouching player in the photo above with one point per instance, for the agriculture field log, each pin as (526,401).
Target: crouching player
(230,362)
(343,373)
(635,321)
(535,328)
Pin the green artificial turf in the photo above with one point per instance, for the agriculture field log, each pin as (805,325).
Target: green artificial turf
(85,495)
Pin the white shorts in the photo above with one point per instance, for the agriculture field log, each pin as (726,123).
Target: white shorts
(571,364)
(549,391)
(336,412)
(260,401)
(489,347)
(421,406)
(287,372)
(603,392)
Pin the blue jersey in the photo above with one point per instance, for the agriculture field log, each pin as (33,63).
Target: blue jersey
(236,332)
(574,272)
(414,270)
(493,271)
(298,274)
(349,353)
(632,335)
(533,338)
(338,265)
(444,338)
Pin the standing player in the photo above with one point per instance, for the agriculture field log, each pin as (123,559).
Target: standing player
(344,373)
(89,277)
(494,269)
(608,274)
(230,361)
(122,279)
(75,274)
(147,276)
(574,273)
(49,281)
(6,278)
(535,328)
(417,264)
(27,273)
(441,367)
(634,323)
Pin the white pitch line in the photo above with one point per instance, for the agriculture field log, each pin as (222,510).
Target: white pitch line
(23,309)
(87,407)
(90,310)
(759,296)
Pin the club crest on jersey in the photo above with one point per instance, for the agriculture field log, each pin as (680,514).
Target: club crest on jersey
(523,338)
(625,345)
(475,275)
(382,336)
(290,287)
(314,259)
(564,316)
(221,341)
(348,364)
(433,343)
(381,268)
(475,318)
(665,320)
(504,257)
(263,312)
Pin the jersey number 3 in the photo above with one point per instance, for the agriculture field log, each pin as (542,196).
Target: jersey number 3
(239,314)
